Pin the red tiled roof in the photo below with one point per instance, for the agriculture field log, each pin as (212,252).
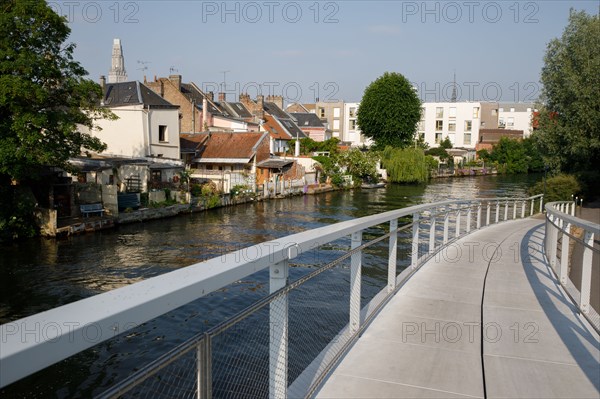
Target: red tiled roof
(224,145)
(275,129)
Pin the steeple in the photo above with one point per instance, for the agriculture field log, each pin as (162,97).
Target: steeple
(117,71)
(453,99)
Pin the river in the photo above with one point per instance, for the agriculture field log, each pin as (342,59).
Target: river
(40,274)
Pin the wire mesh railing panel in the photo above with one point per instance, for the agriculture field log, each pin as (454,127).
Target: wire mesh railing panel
(240,357)
(315,324)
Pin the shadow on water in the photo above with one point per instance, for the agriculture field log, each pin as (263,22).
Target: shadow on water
(41,274)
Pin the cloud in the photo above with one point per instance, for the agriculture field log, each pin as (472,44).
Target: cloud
(390,30)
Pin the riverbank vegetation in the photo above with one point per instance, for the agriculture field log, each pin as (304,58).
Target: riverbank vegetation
(511,156)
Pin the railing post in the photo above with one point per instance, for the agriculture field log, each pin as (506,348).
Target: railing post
(432,234)
(541,204)
(457,234)
(468,228)
(515,210)
(446,223)
(523,209)
(478,216)
(415,241)
(497,211)
(553,243)
(506,211)
(392,255)
(489,210)
(531,211)
(278,320)
(355,280)
(586,272)
(204,368)
(574,205)
(564,256)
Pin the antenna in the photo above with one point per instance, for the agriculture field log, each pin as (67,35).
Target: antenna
(173,69)
(144,65)
(224,86)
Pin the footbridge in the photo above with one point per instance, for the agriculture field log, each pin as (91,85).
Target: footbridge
(478,298)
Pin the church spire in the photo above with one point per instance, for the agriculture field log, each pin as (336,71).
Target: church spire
(453,99)
(117,71)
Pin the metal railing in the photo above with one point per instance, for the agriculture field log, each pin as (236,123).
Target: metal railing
(566,235)
(285,344)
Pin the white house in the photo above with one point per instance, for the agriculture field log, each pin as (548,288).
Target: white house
(516,116)
(459,121)
(147,125)
(351,130)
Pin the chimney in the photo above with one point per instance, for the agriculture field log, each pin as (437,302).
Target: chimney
(176,79)
(277,100)
(103,83)
(205,117)
(211,96)
(222,97)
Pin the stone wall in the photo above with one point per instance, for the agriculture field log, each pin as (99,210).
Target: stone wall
(46,221)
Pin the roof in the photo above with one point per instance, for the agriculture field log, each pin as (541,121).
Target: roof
(133,93)
(188,143)
(218,146)
(237,110)
(194,94)
(519,107)
(275,111)
(494,135)
(274,163)
(307,119)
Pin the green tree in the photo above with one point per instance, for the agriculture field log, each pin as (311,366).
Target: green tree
(389,111)
(362,165)
(510,156)
(569,122)
(43,95)
(406,165)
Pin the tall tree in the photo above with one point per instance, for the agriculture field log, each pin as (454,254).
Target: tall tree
(569,121)
(43,92)
(389,111)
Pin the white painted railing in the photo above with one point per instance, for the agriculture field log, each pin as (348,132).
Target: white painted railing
(36,342)
(559,240)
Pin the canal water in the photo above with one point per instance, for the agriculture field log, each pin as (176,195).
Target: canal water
(41,274)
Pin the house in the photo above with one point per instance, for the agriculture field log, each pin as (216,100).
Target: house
(351,131)
(226,158)
(281,126)
(147,125)
(489,137)
(516,116)
(312,126)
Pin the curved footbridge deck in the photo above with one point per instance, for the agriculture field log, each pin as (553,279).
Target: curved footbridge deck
(486,317)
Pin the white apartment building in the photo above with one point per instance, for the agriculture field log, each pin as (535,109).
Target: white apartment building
(516,116)
(459,121)
(352,133)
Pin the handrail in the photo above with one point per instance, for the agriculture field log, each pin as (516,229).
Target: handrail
(558,228)
(38,341)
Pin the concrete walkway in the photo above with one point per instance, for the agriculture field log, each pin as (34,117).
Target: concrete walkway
(491,286)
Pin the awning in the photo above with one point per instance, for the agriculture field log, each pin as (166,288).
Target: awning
(222,160)
(274,163)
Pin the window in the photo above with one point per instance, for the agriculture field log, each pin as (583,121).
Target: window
(321,112)
(475,112)
(452,126)
(452,113)
(510,122)
(336,124)
(162,133)
(494,112)
(439,112)
(438,138)
(336,112)
(157,175)
(422,113)
(421,126)
(501,124)
(351,112)
(512,110)
(439,125)
(352,124)
(468,125)
(467,139)
(111,180)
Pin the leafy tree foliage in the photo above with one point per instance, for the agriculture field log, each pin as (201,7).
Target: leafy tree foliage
(514,156)
(362,165)
(569,121)
(389,111)
(308,145)
(43,95)
(407,165)
(557,188)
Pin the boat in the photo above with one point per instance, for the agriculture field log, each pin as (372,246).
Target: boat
(372,185)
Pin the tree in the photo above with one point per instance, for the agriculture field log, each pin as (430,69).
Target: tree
(407,165)
(569,122)
(389,111)
(43,95)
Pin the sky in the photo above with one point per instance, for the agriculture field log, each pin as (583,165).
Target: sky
(329,50)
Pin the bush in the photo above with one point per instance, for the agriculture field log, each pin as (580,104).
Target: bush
(558,188)
(144,199)
(590,189)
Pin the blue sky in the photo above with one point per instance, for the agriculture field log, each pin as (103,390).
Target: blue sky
(326,49)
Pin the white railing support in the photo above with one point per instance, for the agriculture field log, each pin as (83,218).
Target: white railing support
(497,211)
(414,256)
(586,272)
(514,210)
(355,280)
(446,223)
(506,211)
(278,323)
(431,248)
(523,209)
(573,209)
(392,255)
(564,256)
(457,233)
(489,211)
(541,204)
(468,228)
(478,216)
(531,211)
